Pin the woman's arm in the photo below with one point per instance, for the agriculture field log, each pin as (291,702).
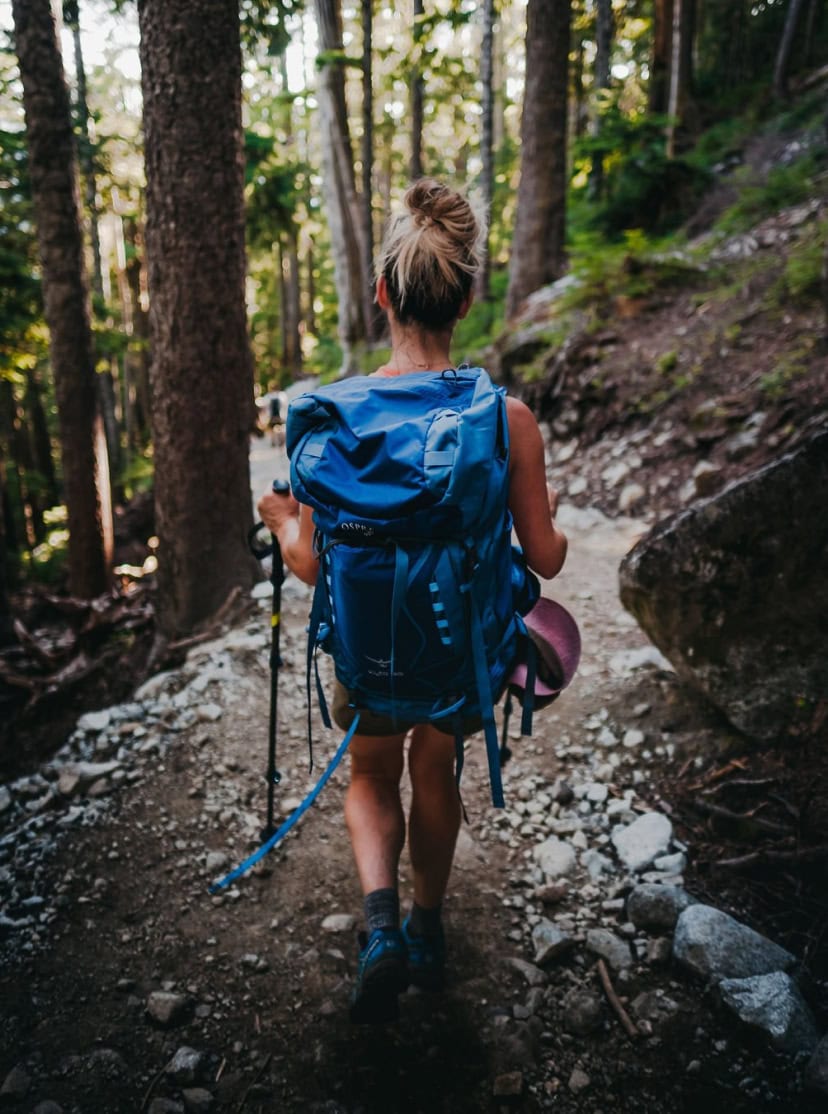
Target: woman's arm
(532,503)
(292,525)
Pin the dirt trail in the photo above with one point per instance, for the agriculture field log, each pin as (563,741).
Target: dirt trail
(259,989)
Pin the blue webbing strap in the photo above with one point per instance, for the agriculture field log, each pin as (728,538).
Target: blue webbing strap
(397,602)
(294,817)
(484,695)
(317,610)
(529,690)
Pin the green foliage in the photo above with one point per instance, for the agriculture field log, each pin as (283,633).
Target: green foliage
(642,187)
(666,362)
(138,474)
(483,322)
(605,271)
(801,281)
(266,22)
(783,186)
(22,334)
(795,363)
(46,563)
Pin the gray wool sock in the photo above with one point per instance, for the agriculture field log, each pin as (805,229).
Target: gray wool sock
(382,909)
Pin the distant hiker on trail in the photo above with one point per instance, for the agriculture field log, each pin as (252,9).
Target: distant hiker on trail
(425,277)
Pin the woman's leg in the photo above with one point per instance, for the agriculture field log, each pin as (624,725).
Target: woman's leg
(373,811)
(435,813)
(376,824)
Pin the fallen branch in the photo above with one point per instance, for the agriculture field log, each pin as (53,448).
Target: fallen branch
(615,1001)
(740,783)
(773,858)
(255,1080)
(717,775)
(740,818)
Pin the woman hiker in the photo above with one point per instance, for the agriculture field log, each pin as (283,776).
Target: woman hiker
(428,262)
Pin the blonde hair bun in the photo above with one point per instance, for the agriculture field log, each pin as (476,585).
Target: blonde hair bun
(431,254)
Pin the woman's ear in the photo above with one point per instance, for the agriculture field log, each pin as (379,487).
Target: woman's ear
(465,306)
(382,294)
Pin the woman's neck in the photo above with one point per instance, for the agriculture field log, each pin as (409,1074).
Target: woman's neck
(419,350)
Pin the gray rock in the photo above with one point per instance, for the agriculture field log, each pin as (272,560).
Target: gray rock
(653,906)
(16,1085)
(166,1009)
(78,777)
(715,946)
(816,1073)
(508,1085)
(165,1106)
(95,721)
(642,841)
(610,947)
(671,864)
(47,1107)
(216,861)
(550,942)
(339,922)
(533,975)
(578,1081)
(583,1011)
(734,592)
(772,1003)
(197,1100)
(186,1067)
(653,1006)
(5,799)
(554,857)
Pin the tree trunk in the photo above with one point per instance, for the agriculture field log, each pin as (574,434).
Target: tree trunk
(6,623)
(53,172)
(486,140)
(293,304)
(338,178)
(41,442)
(138,356)
(538,245)
(375,320)
(657,93)
(603,45)
(679,106)
(417,94)
(86,142)
(201,368)
(783,55)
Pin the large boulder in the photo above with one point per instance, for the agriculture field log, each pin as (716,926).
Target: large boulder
(733,592)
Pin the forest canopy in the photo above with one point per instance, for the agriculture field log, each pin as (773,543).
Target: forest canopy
(604,122)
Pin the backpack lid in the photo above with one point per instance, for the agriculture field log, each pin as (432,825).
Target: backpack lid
(419,454)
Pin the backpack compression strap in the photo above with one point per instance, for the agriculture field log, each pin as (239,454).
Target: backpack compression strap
(294,817)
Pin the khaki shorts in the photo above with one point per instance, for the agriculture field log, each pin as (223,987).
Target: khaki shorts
(375,725)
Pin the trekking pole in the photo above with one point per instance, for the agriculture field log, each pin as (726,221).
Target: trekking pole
(277,576)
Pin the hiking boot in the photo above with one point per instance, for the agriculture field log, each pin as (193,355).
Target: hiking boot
(426,958)
(382,975)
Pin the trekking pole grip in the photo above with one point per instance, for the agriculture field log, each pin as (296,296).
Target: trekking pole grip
(281,487)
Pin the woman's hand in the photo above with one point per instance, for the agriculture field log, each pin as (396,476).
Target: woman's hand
(276,509)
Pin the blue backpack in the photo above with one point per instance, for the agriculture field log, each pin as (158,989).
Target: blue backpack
(420,591)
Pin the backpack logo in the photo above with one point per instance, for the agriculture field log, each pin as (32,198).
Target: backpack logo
(360,528)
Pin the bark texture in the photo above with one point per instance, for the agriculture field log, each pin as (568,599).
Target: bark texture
(417,96)
(344,218)
(659,85)
(783,55)
(486,137)
(538,247)
(53,170)
(201,369)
